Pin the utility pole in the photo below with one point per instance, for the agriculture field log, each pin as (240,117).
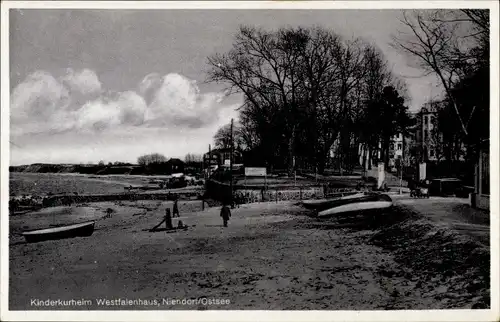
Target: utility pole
(402,163)
(231,165)
(209,160)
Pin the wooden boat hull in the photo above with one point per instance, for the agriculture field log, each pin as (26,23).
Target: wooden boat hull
(320,205)
(371,207)
(77,230)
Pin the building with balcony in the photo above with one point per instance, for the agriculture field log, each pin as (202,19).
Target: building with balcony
(427,133)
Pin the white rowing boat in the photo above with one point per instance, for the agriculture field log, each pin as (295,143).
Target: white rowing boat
(324,204)
(357,207)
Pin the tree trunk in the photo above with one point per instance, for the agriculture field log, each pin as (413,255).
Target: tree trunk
(321,165)
(382,151)
(363,151)
(369,152)
(385,149)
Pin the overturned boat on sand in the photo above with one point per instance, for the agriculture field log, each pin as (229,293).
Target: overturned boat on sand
(357,208)
(324,204)
(69,231)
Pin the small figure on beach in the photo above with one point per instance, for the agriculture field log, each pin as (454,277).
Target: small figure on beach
(225,213)
(168,222)
(176,207)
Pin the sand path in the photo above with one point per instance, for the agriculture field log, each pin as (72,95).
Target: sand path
(268,258)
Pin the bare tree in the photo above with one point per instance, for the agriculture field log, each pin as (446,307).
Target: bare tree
(438,39)
(436,140)
(222,138)
(262,65)
(193,158)
(153,158)
(304,88)
(377,76)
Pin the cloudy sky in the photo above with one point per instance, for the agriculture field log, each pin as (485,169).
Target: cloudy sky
(90,85)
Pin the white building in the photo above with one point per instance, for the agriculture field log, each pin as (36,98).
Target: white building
(396,147)
(395,150)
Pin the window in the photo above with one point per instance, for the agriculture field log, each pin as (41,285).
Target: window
(392,146)
(431,153)
(400,146)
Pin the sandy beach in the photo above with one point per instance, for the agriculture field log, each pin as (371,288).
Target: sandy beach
(272,256)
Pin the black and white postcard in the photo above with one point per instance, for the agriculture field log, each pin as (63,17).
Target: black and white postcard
(250,161)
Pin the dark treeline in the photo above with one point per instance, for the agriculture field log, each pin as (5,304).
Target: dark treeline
(307,90)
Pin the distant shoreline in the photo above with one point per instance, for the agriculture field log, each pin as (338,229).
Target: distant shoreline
(96,169)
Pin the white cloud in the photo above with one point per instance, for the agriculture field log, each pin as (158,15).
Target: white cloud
(149,85)
(77,101)
(126,108)
(178,102)
(38,99)
(83,81)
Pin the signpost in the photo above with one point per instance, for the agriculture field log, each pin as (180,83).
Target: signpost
(256,172)
(231,164)
(422,173)
(381,174)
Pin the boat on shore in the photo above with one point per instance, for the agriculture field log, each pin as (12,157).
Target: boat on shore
(69,231)
(367,207)
(324,204)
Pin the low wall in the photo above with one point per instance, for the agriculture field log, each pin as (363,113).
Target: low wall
(252,195)
(222,191)
(72,199)
(217,190)
(480,201)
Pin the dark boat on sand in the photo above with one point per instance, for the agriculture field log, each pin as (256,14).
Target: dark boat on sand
(76,230)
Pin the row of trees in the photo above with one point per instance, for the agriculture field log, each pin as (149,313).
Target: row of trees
(453,45)
(304,90)
(192,158)
(154,158)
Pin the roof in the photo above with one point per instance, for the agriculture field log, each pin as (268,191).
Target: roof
(223,150)
(175,160)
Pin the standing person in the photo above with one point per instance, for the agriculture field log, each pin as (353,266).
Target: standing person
(168,220)
(176,207)
(225,213)
(411,184)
